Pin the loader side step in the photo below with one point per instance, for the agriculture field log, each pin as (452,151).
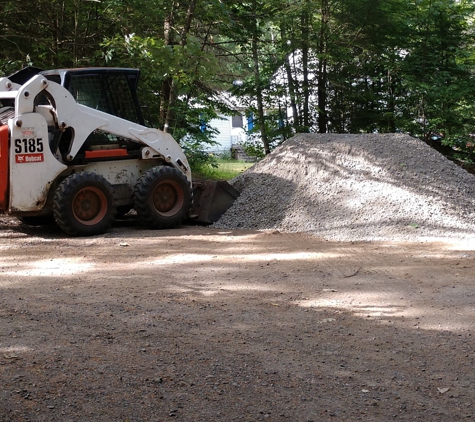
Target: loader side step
(107,153)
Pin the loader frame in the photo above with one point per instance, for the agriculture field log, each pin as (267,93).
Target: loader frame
(74,145)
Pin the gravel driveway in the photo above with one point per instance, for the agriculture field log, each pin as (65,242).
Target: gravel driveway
(208,324)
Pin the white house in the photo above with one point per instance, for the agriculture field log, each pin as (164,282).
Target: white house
(231,132)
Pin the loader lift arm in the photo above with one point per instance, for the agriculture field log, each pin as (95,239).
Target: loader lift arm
(84,120)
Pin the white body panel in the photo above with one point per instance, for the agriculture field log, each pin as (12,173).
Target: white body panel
(33,168)
(120,172)
(85,120)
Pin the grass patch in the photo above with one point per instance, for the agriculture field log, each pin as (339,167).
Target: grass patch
(225,170)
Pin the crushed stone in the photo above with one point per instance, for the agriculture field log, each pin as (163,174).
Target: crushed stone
(363,187)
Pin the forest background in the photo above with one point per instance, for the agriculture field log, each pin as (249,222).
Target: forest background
(344,66)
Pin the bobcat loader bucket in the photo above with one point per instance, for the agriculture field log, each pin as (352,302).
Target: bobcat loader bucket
(211,199)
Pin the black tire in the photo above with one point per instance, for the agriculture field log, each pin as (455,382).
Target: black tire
(83,204)
(162,198)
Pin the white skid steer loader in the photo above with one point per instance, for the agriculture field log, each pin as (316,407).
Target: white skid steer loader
(74,147)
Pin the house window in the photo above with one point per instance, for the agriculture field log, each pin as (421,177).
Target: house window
(202,124)
(237,121)
(250,121)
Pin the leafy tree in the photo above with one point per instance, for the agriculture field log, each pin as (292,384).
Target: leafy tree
(438,72)
(305,65)
(53,33)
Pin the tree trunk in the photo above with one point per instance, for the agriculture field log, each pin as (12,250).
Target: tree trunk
(167,83)
(391,103)
(322,69)
(257,78)
(173,89)
(290,83)
(305,83)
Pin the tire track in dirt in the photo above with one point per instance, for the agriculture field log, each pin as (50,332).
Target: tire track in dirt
(199,324)
(390,282)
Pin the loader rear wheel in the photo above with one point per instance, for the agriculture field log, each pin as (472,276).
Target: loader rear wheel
(83,204)
(162,197)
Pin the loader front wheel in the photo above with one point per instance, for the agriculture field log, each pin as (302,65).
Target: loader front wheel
(83,204)
(162,197)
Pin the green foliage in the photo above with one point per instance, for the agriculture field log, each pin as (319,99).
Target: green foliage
(115,33)
(8,67)
(223,169)
(253,147)
(199,159)
(438,73)
(310,65)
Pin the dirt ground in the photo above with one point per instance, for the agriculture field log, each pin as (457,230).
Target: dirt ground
(200,324)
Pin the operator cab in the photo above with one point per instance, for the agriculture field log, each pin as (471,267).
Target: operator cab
(111,90)
(108,89)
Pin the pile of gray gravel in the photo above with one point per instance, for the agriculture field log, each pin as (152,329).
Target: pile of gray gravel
(356,188)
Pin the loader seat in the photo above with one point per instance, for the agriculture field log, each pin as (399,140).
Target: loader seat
(5,114)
